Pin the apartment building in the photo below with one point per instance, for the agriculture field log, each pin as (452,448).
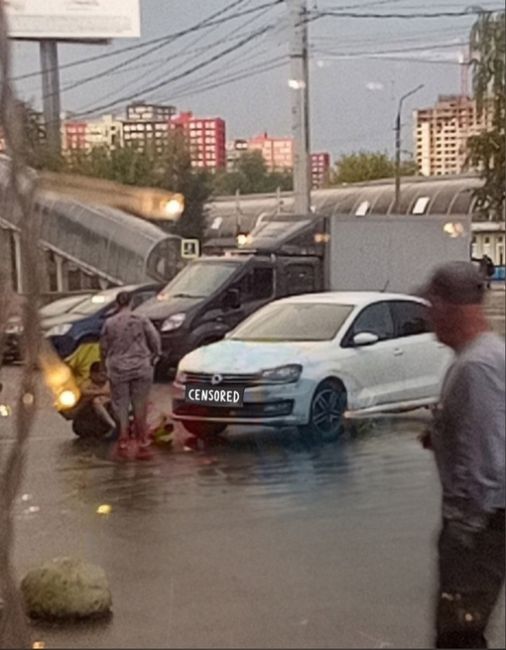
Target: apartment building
(143,134)
(206,138)
(142,111)
(81,135)
(277,152)
(442,131)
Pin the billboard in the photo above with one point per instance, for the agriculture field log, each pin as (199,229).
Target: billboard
(80,20)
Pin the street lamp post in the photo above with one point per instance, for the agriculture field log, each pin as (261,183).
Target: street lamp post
(398,147)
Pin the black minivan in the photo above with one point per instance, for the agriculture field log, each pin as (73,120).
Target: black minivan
(212,295)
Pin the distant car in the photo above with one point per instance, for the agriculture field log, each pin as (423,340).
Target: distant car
(309,360)
(84,322)
(14,329)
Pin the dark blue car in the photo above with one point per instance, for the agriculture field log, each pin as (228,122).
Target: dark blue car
(84,323)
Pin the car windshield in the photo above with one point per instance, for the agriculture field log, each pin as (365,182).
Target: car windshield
(199,280)
(295,321)
(95,303)
(62,306)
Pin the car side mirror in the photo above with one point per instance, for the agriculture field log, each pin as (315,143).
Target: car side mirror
(232,299)
(365,338)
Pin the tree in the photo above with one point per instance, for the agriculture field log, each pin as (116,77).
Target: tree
(367,166)
(487,150)
(251,176)
(177,174)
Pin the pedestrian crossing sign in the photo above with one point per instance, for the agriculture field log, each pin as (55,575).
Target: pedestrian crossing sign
(190,248)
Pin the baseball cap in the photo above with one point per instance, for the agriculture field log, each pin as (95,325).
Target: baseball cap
(460,283)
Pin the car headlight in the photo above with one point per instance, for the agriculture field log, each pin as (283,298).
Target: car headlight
(283,374)
(174,322)
(59,330)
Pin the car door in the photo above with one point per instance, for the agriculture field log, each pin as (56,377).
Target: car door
(299,277)
(375,370)
(424,358)
(255,288)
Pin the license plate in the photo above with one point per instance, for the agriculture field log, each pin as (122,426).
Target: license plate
(214,395)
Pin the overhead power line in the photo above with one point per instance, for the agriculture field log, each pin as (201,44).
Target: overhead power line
(186,52)
(239,75)
(406,16)
(177,77)
(209,22)
(203,24)
(413,48)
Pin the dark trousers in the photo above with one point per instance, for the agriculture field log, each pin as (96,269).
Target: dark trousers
(471,575)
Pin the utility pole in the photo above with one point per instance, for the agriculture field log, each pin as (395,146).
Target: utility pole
(299,84)
(398,147)
(51,93)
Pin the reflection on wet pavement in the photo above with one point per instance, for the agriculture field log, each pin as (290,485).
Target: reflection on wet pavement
(260,542)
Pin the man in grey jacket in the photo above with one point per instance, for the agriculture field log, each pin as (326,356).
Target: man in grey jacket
(468,440)
(130,347)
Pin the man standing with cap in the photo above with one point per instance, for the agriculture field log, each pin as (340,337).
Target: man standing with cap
(468,440)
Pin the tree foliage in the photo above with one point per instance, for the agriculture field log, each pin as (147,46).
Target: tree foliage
(367,166)
(487,150)
(251,176)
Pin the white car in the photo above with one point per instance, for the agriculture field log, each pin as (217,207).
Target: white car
(308,360)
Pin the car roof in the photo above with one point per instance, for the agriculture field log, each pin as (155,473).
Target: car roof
(355,298)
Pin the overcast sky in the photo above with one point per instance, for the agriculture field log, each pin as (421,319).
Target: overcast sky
(353,99)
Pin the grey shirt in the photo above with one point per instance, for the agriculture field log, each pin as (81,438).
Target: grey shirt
(129,343)
(469,432)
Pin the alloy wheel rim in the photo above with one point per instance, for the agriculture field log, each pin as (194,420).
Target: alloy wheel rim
(327,411)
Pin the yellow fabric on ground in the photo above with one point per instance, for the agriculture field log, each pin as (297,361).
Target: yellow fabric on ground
(81,361)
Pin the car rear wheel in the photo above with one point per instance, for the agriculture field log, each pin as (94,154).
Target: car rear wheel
(326,421)
(204,429)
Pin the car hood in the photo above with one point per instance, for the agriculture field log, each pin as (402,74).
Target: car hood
(247,357)
(47,323)
(158,309)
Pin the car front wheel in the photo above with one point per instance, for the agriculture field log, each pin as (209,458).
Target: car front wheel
(327,413)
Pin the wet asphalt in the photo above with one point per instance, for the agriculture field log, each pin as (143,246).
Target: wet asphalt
(262,542)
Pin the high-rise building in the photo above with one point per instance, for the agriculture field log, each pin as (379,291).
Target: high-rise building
(277,152)
(442,131)
(149,112)
(320,168)
(206,139)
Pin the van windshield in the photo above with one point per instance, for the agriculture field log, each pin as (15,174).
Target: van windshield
(199,280)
